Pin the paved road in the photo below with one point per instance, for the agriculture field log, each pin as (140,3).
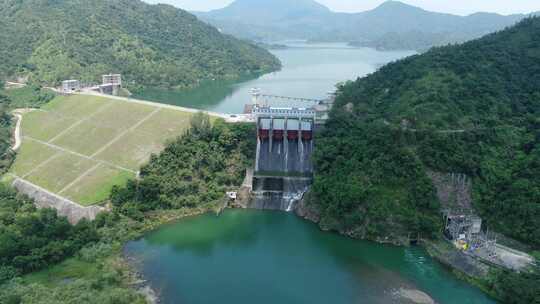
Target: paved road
(233,118)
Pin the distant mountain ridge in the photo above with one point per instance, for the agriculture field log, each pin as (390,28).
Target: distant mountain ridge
(258,11)
(151,45)
(392,25)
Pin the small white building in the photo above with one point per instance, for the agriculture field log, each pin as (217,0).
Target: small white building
(70,86)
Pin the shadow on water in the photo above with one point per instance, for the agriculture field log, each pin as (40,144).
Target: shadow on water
(203,234)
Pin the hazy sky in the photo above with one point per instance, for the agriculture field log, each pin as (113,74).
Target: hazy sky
(461,7)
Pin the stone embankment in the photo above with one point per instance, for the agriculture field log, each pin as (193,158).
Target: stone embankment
(45,199)
(448,255)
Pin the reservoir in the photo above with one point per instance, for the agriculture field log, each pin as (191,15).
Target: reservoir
(309,71)
(275,257)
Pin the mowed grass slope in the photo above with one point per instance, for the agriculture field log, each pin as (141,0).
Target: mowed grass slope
(80,146)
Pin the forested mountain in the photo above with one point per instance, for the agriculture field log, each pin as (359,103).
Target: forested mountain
(243,10)
(392,25)
(264,20)
(471,109)
(151,45)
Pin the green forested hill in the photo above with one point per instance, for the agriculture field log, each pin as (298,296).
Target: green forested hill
(151,45)
(472,109)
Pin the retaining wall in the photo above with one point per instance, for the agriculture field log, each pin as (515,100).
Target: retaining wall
(45,199)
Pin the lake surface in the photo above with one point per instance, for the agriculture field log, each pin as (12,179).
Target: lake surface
(275,257)
(309,71)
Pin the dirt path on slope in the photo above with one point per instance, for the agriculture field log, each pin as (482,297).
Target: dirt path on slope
(18,113)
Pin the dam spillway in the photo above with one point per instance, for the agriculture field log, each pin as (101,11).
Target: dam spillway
(283,166)
(284,140)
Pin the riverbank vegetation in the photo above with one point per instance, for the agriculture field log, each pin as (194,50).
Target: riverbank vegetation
(151,45)
(471,109)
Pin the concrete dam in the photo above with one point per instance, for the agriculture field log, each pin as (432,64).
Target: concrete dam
(285,144)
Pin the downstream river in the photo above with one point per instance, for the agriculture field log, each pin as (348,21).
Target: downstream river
(268,257)
(309,71)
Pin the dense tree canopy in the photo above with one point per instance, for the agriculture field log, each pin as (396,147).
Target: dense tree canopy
(517,288)
(151,45)
(32,239)
(471,109)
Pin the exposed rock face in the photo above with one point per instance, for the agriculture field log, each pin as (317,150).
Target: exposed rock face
(304,210)
(453,189)
(309,212)
(45,199)
(243,197)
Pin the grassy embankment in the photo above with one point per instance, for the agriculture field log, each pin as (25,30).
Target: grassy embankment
(81,146)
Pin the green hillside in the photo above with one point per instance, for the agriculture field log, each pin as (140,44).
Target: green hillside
(151,45)
(472,109)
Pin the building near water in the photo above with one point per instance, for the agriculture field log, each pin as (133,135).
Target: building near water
(70,86)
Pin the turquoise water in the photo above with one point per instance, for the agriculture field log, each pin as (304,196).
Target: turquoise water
(275,257)
(309,71)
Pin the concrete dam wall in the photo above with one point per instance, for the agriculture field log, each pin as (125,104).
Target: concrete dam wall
(283,167)
(287,157)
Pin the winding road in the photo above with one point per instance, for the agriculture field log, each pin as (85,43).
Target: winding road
(18,113)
